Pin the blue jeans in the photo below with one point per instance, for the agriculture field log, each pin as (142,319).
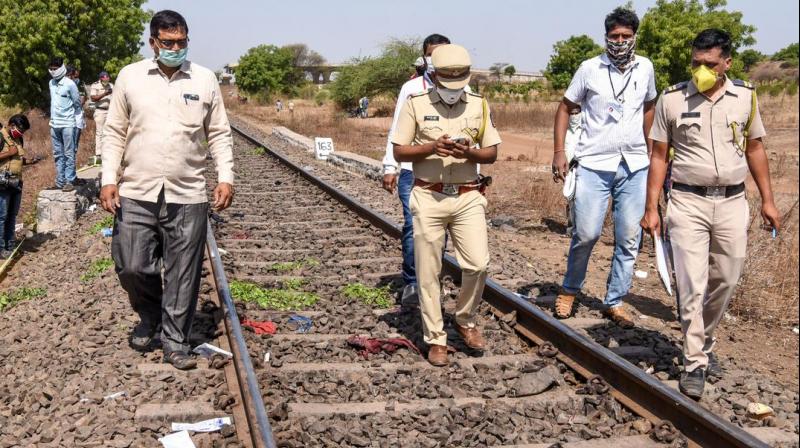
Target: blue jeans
(405,183)
(63,140)
(10,200)
(593,188)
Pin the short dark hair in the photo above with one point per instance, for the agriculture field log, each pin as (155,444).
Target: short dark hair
(56,61)
(622,17)
(434,39)
(71,69)
(713,38)
(20,121)
(167,20)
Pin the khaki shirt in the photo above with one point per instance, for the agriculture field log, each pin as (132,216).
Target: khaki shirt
(11,164)
(97,88)
(159,130)
(425,117)
(700,131)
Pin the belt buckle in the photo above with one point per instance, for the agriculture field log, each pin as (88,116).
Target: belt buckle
(450,189)
(716,192)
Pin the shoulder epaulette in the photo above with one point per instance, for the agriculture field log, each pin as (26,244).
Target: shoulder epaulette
(418,94)
(475,94)
(676,87)
(741,83)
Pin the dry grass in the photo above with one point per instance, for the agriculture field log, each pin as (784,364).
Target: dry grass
(521,117)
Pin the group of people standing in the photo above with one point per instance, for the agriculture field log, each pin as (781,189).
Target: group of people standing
(617,137)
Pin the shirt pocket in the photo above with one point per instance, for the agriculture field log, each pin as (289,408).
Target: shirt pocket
(430,132)
(734,129)
(470,128)
(192,108)
(690,130)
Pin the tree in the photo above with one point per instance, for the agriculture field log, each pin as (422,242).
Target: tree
(302,56)
(750,58)
(509,70)
(567,57)
(668,29)
(790,54)
(93,35)
(369,77)
(265,70)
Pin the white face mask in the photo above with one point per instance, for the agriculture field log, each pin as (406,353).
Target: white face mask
(575,121)
(449,96)
(429,65)
(58,73)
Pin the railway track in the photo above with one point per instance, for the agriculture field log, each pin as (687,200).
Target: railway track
(325,268)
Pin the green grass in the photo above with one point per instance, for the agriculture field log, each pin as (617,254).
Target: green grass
(259,151)
(294,265)
(290,297)
(108,221)
(9,299)
(380,297)
(97,268)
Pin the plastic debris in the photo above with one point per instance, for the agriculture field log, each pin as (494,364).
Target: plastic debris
(796,330)
(261,327)
(640,274)
(18,227)
(222,251)
(650,370)
(303,324)
(369,345)
(177,440)
(207,350)
(759,411)
(107,231)
(266,357)
(115,395)
(92,208)
(214,424)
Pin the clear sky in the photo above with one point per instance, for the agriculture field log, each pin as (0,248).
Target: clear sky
(519,32)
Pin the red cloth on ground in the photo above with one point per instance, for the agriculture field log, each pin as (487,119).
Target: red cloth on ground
(261,327)
(376,345)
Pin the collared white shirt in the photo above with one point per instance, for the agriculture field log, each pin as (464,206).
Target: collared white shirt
(605,141)
(411,87)
(159,130)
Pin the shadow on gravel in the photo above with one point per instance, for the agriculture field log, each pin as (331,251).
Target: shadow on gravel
(652,307)
(640,346)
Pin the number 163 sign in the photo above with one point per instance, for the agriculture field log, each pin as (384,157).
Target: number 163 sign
(322,147)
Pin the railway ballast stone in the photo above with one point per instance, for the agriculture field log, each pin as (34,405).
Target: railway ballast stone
(57,211)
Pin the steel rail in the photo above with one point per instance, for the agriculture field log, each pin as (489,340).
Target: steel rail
(643,394)
(261,431)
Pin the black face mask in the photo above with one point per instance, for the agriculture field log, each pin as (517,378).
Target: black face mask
(621,53)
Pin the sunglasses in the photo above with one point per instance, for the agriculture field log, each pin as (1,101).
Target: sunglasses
(170,43)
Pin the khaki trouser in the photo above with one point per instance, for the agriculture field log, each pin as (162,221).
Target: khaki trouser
(709,242)
(465,215)
(99,122)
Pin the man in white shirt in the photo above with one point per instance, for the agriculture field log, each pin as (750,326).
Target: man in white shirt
(616,92)
(404,180)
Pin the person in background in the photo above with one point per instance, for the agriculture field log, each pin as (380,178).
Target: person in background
(12,157)
(278,106)
(574,130)
(291,107)
(100,93)
(80,121)
(404,180)
(616,92)
(363,106)
(159,199)
(65,105)
(714,126)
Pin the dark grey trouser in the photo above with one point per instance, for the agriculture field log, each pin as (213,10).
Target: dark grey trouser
(150,235)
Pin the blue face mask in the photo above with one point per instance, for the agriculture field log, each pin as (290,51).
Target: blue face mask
(172,58)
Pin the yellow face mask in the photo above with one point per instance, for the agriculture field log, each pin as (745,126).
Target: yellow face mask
(704,78)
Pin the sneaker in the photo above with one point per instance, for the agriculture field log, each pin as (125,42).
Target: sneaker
(409,297)
(68,187)
(563,305)
(180,360)
(713,369)
(692,383)
(619,316)
(142,336)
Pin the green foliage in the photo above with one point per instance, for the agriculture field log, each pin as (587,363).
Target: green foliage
(289,298)
(370,77)
(322,97)
(522,89)
(294,265)
(790,54)
(380,297)
(567,57)
(107,221)
(259,151)
(510,70)
(96,269)
(668,29)
(91,34)
(9,299)
(266,70)
(750,58)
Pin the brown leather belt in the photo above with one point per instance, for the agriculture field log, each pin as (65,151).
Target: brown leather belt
(447,189)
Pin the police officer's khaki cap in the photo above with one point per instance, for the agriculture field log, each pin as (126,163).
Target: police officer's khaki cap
(452,63)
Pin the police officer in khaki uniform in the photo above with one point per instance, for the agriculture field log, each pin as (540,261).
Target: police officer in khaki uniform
(715,128)
(100,98)
(446,132)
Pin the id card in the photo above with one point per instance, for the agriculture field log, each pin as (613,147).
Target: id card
(615,111)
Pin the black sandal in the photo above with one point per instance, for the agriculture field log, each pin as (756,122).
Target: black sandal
(180,360)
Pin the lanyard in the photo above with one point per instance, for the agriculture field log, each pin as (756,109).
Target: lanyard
(618,96)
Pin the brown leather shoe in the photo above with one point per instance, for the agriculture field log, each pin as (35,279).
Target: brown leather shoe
(472,337)
(563,305)
(437,355)
(619,316)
